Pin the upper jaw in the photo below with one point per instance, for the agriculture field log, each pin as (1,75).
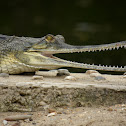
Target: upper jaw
(71,49)
(66,48)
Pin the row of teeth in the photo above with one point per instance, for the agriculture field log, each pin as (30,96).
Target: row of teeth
(104,66)
(99,49)
(120,67)
(106,48)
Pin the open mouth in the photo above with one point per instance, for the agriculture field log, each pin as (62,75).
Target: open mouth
(50,61)
(66,63)
(47,55)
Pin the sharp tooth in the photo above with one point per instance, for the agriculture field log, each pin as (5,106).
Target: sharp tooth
(121,46)
(103,49)
(110,48)
(114,48)
(117,47)
(89,50)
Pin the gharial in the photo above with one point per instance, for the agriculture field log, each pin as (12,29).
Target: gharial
(26,54)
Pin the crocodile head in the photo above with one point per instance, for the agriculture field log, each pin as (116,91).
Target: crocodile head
(41,53)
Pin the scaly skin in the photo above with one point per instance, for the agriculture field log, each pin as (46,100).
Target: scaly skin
(25,54)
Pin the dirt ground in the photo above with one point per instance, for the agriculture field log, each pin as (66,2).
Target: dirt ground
(81,116)
(68,116)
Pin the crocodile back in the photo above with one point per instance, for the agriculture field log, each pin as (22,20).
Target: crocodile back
(4,39)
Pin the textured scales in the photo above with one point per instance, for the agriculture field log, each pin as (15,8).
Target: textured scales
(26,54)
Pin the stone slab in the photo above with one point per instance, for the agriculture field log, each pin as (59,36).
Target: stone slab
(22,93)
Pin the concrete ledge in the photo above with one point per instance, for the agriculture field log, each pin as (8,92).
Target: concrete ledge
(21,93)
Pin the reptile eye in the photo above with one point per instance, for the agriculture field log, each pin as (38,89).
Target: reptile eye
(50,38)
